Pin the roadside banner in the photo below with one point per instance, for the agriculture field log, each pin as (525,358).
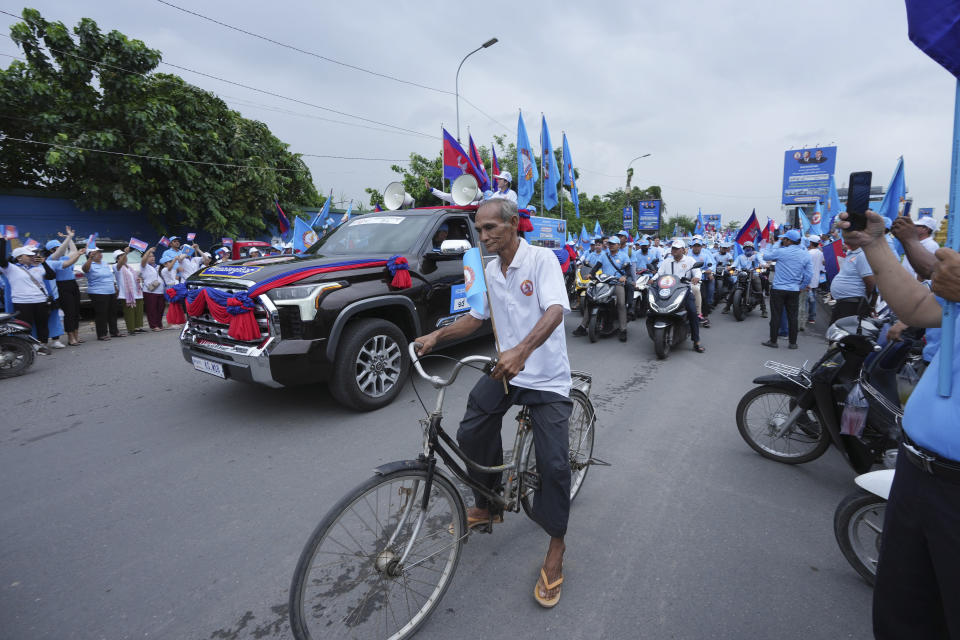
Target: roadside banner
(648,216)
(806,174)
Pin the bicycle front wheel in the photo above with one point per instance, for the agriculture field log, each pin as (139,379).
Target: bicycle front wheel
(350,581)
(581,432)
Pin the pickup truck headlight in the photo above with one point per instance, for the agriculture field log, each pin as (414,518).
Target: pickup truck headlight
(300,292)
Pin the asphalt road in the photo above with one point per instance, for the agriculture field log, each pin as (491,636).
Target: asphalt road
(142,499)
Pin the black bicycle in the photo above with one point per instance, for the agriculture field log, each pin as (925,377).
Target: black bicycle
(379,562)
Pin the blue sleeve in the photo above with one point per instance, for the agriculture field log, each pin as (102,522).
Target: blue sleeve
(807,276)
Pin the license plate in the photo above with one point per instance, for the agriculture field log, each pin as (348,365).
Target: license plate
(213,368)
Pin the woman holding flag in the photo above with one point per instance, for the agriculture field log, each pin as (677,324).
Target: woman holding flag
(528,300)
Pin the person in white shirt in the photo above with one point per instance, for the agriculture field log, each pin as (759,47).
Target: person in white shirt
(681,266)
(918,245)
(448,197)
(816,258)
(504,178)
(529,300)
(190,265)
(170,271)
(29,296)
(152,287)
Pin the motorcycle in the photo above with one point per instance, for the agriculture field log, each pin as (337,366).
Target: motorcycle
(858,522)
(17,346)
(794,415)
(640,304)
(580,282)
(667,323)
(601,300)
(746,297)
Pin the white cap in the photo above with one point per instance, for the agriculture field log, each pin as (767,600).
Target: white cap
(814,238)
(504,175)
(118,253)
(24,251)
(928,222)
(678,244)
(613,240)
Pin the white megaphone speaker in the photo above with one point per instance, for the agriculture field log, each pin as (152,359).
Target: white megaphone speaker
(393,196)
(464,189)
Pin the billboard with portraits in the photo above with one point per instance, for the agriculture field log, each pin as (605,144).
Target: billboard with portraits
(806,174)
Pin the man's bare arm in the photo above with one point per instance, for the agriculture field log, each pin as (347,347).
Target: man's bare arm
(464,326)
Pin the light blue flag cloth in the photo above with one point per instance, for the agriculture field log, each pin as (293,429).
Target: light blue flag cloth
(551,172)
(346,216)
(475,283)
(834,206)
(303,235)
(323,214)
(816,222)
(896,193)
(699,229)
(597,230)
(527,174)
(569,179)
(804,221)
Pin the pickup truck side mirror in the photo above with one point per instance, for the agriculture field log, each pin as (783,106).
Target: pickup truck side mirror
(455,247)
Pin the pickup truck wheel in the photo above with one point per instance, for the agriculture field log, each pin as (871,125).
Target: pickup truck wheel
(371,364)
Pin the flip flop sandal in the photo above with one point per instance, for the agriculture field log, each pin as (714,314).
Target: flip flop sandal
(547,603)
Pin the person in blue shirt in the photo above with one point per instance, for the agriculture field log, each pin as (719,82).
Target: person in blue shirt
(918,575)
(615,262)
(102,289)
(792,274)
(701,254)
(723,258)
(643,257)
(65,255)
(749,260)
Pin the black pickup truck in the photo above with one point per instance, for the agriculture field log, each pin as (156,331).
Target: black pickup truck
(348,328)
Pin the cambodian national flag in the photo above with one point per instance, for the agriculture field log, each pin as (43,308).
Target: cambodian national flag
(456,162)
(483,181)
(768,231)
(494,165)
(832,253)
(749,230)
(377,208)
(895,195)
(551,172)
(282,223)
(527,174)
(569,179)
(139,245)
(474,282)
(163,241)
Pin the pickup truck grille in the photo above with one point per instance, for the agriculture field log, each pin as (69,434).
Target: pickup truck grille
(206,327)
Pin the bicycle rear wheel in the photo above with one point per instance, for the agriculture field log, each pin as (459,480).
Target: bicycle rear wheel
(349,582)
(581,449)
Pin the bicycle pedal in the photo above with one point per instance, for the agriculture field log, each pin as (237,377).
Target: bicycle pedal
(598,462)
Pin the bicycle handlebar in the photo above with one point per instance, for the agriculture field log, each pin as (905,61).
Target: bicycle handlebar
(437,381)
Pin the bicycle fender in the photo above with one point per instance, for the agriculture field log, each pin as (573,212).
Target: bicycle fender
(400,465)
(776,380)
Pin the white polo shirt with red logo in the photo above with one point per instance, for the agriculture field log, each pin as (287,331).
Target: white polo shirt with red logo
(533,284)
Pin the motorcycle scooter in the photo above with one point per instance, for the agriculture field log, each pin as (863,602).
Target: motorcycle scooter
(667,323)
(794,415)
(601,304)
(17,346)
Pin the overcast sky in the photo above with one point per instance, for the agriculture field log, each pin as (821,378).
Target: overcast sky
(715,91)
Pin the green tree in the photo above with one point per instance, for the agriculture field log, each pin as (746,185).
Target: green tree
(733,225)
(96,91)
(686,224)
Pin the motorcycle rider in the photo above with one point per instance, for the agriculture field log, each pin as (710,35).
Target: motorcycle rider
(749,260)
(723,258)
(679,265)
(705,292)
(643,258)
(615,262)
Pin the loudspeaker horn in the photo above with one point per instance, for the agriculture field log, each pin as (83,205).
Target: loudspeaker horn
(464,189)
(394,196)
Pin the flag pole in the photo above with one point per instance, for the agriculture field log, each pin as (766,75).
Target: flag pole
(443,185)
(563,136)
(496,336)
(948,324)
(543,181)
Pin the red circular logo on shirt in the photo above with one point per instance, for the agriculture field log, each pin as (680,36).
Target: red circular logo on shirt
(526,288)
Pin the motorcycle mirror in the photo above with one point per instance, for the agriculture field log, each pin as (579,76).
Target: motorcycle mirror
(698,264)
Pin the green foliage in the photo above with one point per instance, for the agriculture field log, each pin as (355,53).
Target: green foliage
(686,224)
(71,91)
(733,225)
(608,209)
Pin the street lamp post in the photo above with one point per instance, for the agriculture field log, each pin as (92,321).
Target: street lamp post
(488,43)
(629,174)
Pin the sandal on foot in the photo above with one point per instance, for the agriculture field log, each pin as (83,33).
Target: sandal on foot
(550,602)
(698,348)
(472,522)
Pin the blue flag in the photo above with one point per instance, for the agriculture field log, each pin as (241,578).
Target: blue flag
(597,231)
(474,282)
(569,180)
(324,212)
(346,215)
(896,193)
(551,172)
(834,206)
(584,237)
(804,221)
(699,229)
(303,235)
(816,222)
(527,174)
(934,26)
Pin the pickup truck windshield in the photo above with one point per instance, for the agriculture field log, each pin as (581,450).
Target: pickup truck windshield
(373,234)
